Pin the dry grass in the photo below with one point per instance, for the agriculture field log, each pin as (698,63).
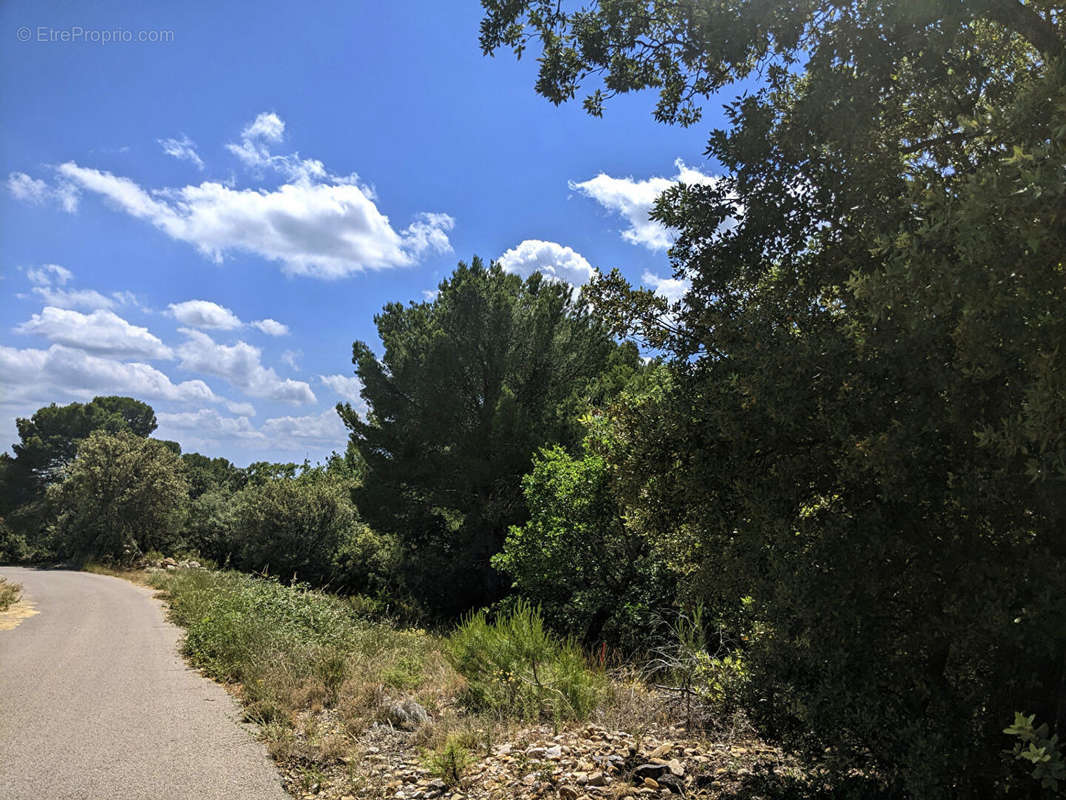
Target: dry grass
(137,576)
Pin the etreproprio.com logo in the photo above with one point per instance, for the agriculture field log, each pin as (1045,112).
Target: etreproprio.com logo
(76,34)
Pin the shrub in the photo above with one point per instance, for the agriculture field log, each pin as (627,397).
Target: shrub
(450,762)
(13,546)
(9,594)
(514,667)
(593,574)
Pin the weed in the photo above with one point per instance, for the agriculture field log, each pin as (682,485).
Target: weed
(450,762)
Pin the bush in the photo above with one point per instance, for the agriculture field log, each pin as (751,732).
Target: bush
(293,527)
(9,594)
(514,667)
(210,528)
(592,574)
(13,546)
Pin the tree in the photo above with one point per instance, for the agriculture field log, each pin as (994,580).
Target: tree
(865,435)
(49,439)
(211,474)
(470,385)
(122,496)
(592,575)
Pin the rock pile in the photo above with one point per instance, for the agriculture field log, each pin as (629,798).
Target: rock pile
(586,762)
(170,564)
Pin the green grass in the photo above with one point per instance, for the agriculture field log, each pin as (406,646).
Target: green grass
(514,667)
(288,647)
(9,594)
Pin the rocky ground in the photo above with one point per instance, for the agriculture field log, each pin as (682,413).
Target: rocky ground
(580,762)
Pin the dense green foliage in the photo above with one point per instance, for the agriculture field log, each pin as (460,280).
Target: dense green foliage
(469,386)
(593,575)
(866,430)
(122,496)
(306,528)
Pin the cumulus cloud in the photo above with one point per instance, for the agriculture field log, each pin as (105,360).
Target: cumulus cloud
(207,425)
(60,371)
(49,274)
(271,327)
(204,314)
(89,299)
(254,150)
(183,149)
(347,389)
(325,230)
(673,289)
(212,316)
(49,280)
(207,430)
(102,332)
(240,365)
(633,199)
(550,258)
(38,192)
(314,429)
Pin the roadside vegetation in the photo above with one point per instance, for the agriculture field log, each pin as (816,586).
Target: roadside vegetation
(816,500)
(10,593)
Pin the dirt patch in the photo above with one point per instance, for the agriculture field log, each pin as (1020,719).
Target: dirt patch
(13,617)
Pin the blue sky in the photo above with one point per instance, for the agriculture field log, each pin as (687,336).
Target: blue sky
(207,220)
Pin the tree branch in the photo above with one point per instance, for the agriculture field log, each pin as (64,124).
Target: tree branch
(1026,22)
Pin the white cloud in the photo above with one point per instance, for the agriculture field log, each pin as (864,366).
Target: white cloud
(204,314)
(271,327)
(207,425)
(207,429)
(50,277)
(49,274)
(292,433)
(37,192)
(267,126)
(89,299)
(59,371)
(102,332)
(291,358)
(183,149)
(325,230)
(673,289)
(212,316)
(633,200)
(240,365)
(254,151)
(550,258)
(347,389)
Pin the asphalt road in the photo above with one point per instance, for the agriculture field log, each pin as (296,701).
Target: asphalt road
(97,704)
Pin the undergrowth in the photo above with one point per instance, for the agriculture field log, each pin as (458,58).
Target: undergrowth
(290,648)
